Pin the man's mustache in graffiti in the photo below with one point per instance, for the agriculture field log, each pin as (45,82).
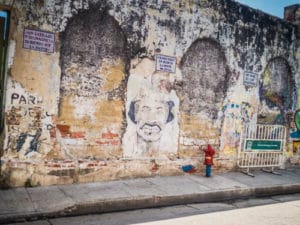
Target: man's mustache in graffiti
(151,125)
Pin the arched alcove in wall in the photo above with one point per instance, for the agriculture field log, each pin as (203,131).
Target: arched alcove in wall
(205,78)
(205,83)
(277,91)
(91,38)
(94,69)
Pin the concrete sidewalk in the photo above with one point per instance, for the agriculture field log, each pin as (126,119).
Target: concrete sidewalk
(19,204)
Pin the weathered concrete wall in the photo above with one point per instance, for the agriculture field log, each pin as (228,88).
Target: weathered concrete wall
(97,108)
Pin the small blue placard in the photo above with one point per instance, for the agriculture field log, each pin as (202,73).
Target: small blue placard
(250,79)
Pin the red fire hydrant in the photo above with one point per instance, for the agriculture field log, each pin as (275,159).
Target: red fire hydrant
(208,161)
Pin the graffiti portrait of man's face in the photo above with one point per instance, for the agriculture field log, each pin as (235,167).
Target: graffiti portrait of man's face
(151,116)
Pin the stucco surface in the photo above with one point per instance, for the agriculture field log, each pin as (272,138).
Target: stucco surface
(97,108)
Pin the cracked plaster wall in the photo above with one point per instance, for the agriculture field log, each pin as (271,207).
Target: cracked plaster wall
(69,115)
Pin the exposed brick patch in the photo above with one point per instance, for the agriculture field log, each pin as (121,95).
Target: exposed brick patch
(69,164)
(92,164)
(64,130)
(108,142)
(115,142)
(78,134)
(56,165)
(109,135)
(67,161)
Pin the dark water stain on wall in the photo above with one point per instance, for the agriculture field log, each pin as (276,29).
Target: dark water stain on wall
(90,36)
(205,78)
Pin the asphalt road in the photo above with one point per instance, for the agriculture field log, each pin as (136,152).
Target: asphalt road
(276,210)
(287,213)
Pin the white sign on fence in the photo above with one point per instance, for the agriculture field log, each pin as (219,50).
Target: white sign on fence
(250,79)
(37,40)
(166,63)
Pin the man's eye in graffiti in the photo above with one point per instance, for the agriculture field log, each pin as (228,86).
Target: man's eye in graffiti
(160,109)
(145,109)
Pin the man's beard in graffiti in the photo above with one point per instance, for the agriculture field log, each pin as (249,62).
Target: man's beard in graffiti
(150,132)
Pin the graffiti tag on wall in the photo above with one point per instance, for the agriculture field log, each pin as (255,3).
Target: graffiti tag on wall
(26,119)
(277,90)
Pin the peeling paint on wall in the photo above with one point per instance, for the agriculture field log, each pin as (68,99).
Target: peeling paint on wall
(232,127)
